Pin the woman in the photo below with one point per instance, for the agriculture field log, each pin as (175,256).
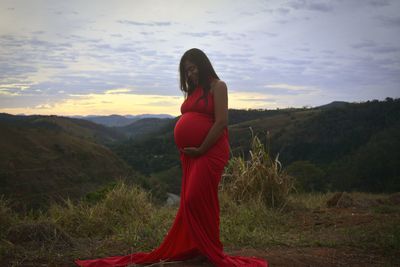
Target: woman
(201,136)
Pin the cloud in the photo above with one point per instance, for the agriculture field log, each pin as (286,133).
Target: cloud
(118,91)
(311,5)
(288,89)
(346,49)
(11,70)
(104,104)
(379,3)
(204,34)
(216,22)
(283,11)
(373,47)
(5,92)
(151,24)
(244,100)
(388,21)
(267,99)
(364,44)
(384,49)
(288,86)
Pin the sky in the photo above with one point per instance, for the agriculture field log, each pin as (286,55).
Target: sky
(122,57)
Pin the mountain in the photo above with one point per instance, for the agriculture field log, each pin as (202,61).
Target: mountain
(143,127)
(111,120)
(119,120)
(143,116)
(338,141)
(357,146)
(76,127)
(50,157)
(353,146)
(334,104)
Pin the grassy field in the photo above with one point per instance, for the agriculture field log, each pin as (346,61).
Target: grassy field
(261,215)
(125,221)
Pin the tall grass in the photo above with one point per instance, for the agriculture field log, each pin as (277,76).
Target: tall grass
(121,205)
(259,178)
(7,217)
(126,221)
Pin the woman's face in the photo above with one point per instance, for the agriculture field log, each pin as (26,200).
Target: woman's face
(191,72)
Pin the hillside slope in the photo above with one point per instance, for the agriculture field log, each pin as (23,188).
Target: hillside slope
(330,144)
(47,157)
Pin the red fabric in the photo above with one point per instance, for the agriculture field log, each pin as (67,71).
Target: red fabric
(195,230)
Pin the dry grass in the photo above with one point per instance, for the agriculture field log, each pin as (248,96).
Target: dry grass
(126,221)
(121,205)
(253,196)
(261,178)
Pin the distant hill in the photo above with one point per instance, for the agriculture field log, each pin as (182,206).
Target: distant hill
(339,146)
(334,104)
(357,146)
(143,127)
(338,142)
(48,157)
(119,120)
(76,127)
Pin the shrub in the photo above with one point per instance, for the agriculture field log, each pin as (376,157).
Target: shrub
(309,177)
(259,178)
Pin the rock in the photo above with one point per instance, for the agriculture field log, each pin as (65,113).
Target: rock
(394,198)
(340,200)
(172,200)
(332,202)
(345,201)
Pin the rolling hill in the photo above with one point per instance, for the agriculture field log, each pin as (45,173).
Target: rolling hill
(119,120)
(143,127)
(49,157)
(337,140)
(343,146)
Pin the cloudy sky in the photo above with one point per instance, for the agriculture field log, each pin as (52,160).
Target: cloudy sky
(121,57)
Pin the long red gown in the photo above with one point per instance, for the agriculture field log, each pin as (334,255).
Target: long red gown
(195,230)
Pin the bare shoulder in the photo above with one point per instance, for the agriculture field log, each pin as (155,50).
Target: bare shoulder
(218,85)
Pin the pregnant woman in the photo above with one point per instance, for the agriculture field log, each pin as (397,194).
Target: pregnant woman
(201,136)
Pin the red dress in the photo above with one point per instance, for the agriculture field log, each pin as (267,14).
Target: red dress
(195,230)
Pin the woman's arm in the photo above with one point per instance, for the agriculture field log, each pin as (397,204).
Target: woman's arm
(220,95)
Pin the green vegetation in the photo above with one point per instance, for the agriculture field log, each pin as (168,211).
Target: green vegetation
(309,176)
(44,159)
(149,155)
(343,146)
(354,147)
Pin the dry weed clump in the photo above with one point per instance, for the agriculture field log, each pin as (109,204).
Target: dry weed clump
(260,178)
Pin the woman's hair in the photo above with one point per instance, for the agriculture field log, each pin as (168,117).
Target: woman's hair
(206,71)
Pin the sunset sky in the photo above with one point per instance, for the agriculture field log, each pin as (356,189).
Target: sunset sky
(122,57)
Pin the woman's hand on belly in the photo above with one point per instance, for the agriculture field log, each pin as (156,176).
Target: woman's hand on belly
(193,151)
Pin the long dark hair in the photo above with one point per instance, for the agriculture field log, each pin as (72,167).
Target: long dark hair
(206,72)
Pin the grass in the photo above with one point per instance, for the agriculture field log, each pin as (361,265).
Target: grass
(259,178)
(127,221)
(257,208)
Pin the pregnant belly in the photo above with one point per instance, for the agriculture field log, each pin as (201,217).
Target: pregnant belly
(191,129)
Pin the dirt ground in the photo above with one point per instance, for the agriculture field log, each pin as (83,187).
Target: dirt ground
(325,218)
(300,257)
(368,240)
